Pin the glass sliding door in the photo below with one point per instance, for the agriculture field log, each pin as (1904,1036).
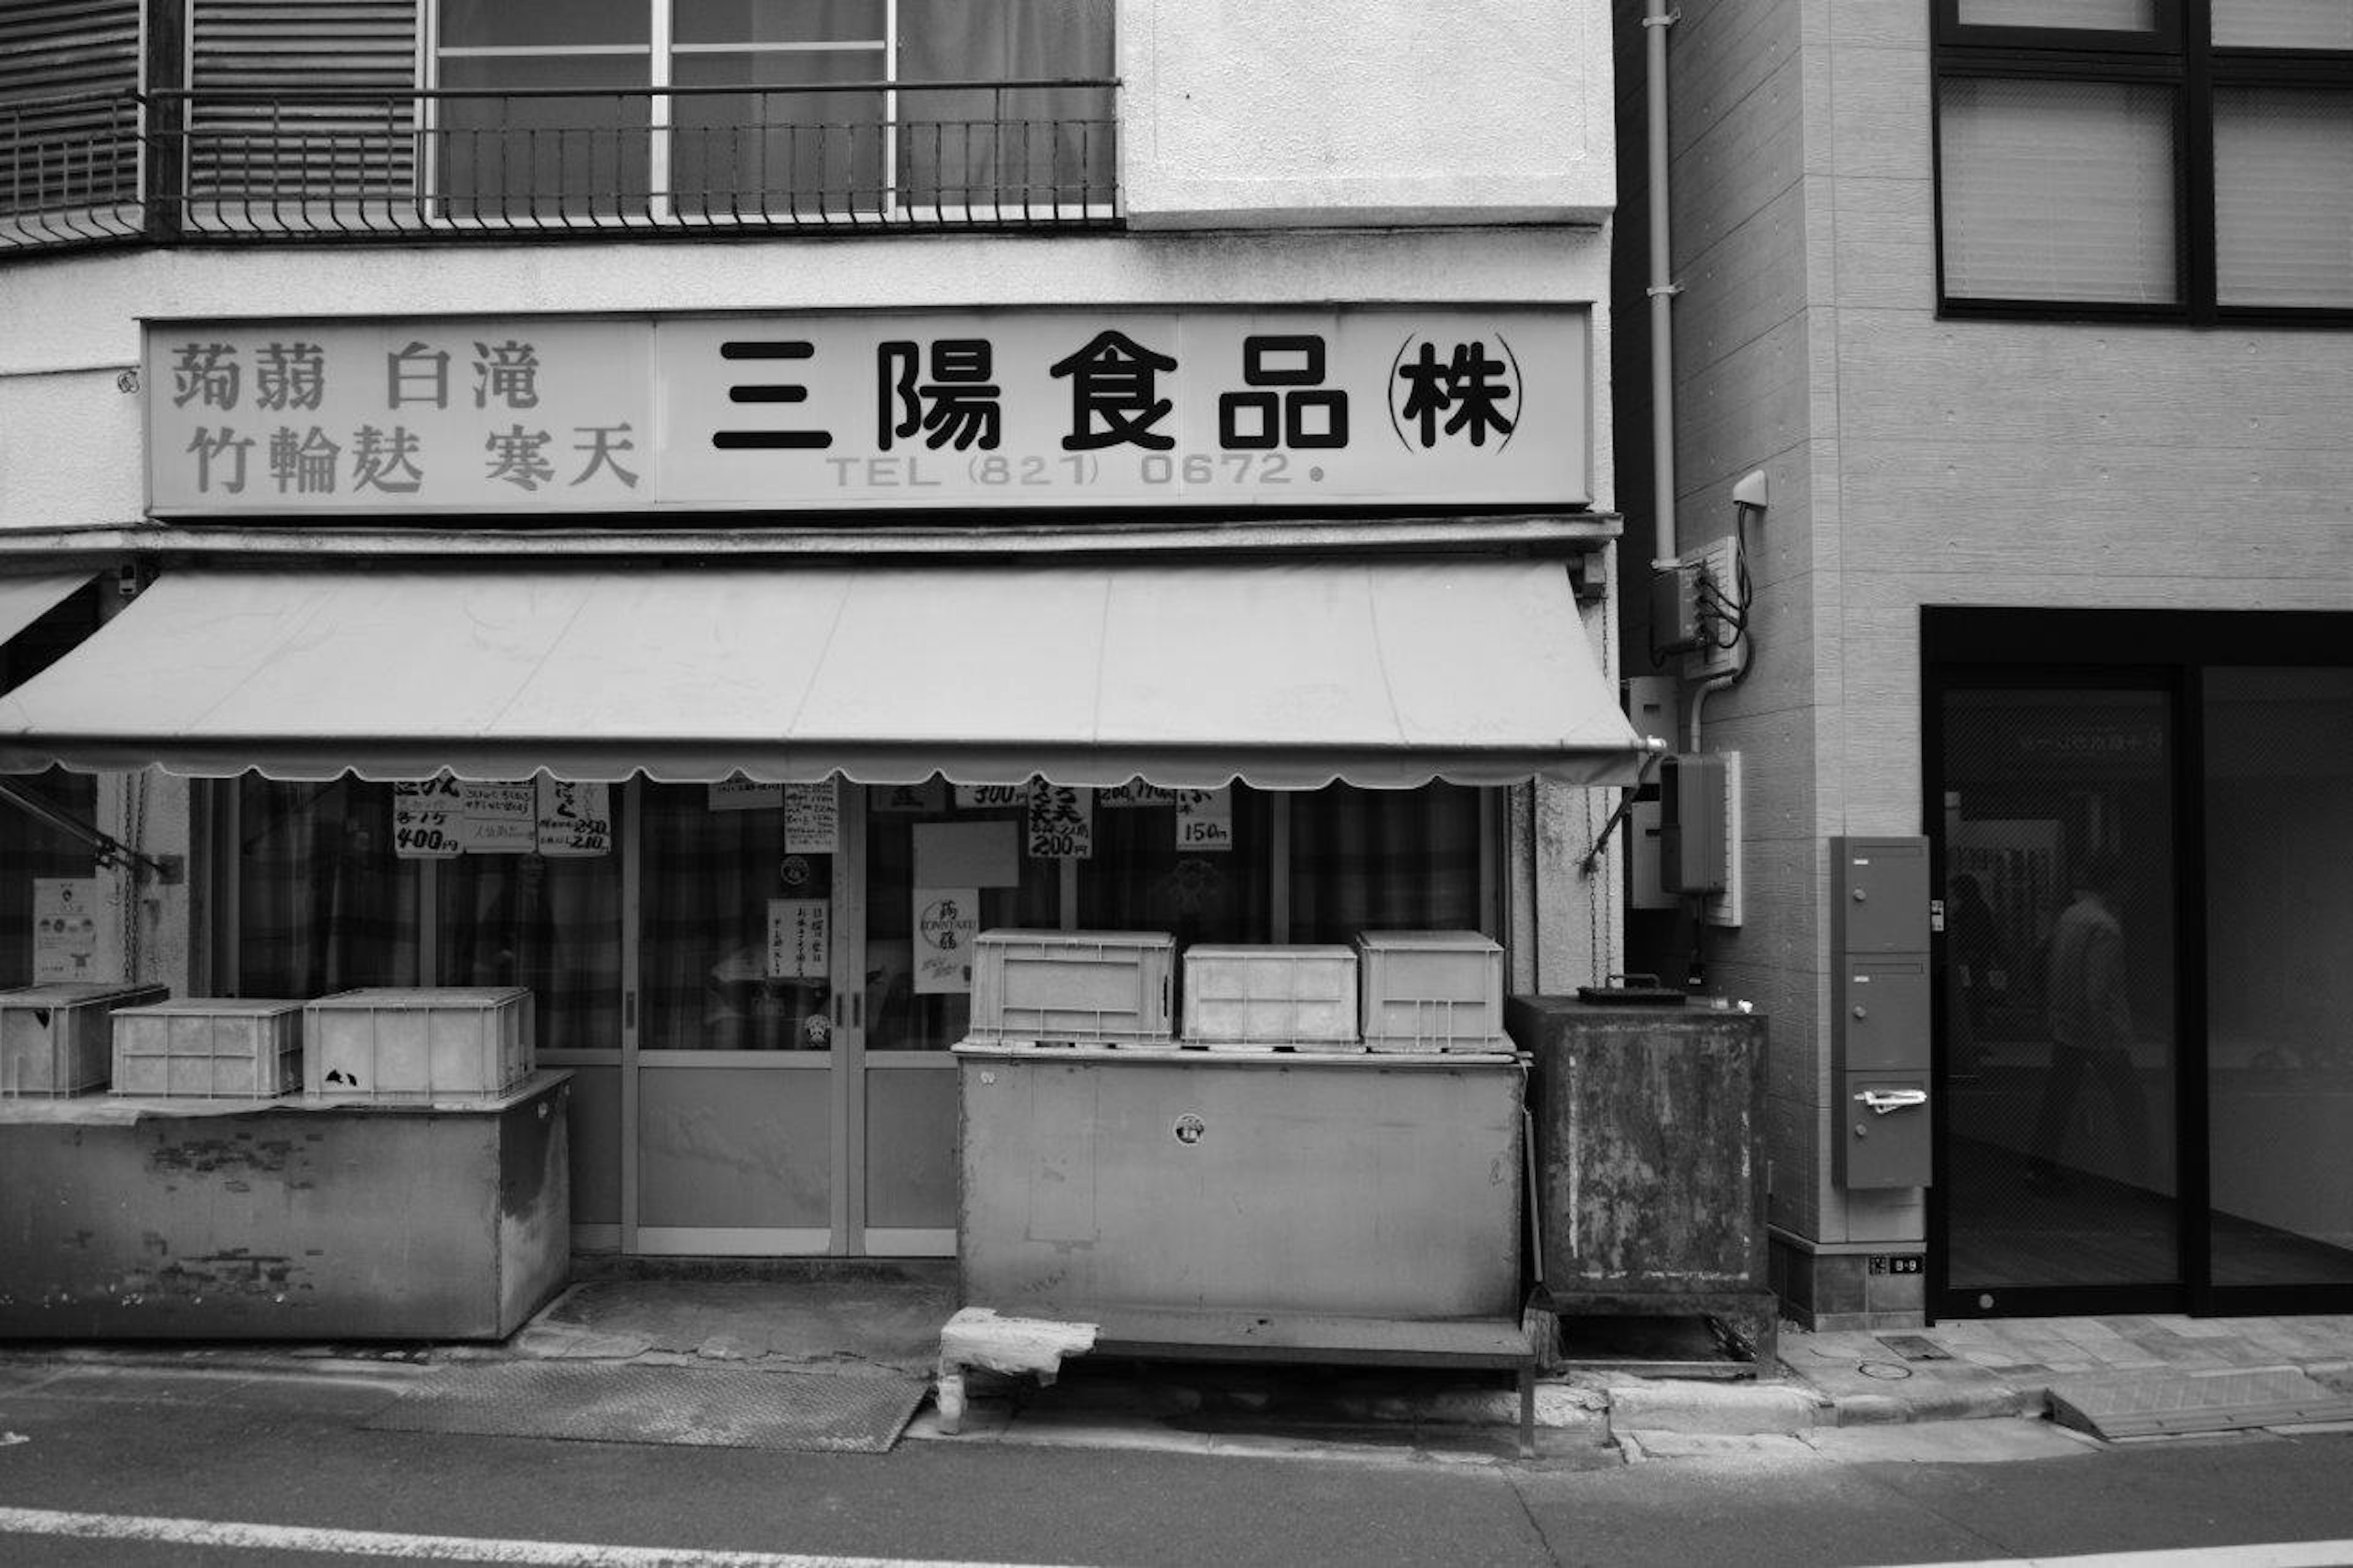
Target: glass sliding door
(2278,767)
(2059,1083)
(739,1114)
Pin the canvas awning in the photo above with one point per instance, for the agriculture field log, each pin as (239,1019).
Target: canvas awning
(26,597)
(1383,672)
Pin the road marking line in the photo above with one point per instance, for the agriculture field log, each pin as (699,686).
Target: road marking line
(248,1537)
(2267,1554)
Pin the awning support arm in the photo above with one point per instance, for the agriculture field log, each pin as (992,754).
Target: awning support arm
(108,848)
(1654,750)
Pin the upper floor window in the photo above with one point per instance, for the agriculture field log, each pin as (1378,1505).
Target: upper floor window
(2176,159)
(831,107)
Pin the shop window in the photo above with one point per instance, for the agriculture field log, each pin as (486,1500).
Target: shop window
(847,105)
(2129,157)
(31,851)
(549,922)
(1385,861)
(322,902)
(1139,879)
(708,878)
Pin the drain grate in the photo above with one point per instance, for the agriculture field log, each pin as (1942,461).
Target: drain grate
(2150,1404)
(699,1407)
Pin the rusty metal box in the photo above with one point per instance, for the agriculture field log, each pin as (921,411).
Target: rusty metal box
(58,1039)
(1649,1148)
(213,1047)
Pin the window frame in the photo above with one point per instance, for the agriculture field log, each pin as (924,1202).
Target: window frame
(2176,51)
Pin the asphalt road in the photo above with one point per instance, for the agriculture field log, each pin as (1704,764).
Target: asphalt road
(286,1450)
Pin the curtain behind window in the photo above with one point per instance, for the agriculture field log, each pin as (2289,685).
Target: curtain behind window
(1005,147)
(1371,859)
(323,905)
(550,924)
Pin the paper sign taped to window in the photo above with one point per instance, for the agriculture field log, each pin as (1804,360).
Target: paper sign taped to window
(992,797)
(742,795)
(574,818)
(426,820)
(799,938)
(931,796)
(1205,820)
(1061,822)
(1135,791)
(947,922)
(809,824)
(65,928)
(498,819)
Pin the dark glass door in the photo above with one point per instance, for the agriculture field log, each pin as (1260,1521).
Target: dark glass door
(2059,1177)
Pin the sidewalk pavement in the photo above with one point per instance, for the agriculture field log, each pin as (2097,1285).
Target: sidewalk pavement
(887,1315)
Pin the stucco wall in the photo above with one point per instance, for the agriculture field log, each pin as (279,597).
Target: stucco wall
(1354,111)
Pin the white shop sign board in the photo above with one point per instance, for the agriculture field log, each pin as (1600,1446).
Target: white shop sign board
(1273,408)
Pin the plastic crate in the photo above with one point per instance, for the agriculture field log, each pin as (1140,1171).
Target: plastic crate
(1097,986)
(418,1042)
(58,1040)
(212,1048)
(1432,991)
(1267,996)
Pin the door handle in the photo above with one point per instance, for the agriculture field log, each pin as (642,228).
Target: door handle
(1883,1100)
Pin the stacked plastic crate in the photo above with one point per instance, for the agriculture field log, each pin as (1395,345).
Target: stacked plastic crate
(209,1047)
(418,1042)
(56,1039)
(1427,991)
(1264,997)
(1073,987)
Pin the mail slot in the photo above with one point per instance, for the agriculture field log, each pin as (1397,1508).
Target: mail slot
(1881,1022)
(1880,1127)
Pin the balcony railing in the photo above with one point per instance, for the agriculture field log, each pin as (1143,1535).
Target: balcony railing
(279,165)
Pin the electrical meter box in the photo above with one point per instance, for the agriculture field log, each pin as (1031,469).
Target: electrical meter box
(1692,810)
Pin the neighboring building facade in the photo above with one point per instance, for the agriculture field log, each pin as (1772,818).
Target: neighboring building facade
(2034,319)
(1136,274)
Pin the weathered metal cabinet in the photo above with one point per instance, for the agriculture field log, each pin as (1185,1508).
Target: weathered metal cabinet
(1372,1187)
(210,1219)
(1649,1158)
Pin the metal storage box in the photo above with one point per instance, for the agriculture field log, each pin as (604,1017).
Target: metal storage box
(60,1040)
(1072,986)
(1432,991)
(418,1042)
(214,1047)
(1268,995)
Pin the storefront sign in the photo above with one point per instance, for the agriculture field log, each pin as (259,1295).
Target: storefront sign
(809,819)
(1135,793)
(574,818)
(742,795)
(1458,405)
(1061,822)
(946,920)
(1205,819)
(426,820)
(992,797)
(498,819)
(799,938)
(928,798)
(65,928)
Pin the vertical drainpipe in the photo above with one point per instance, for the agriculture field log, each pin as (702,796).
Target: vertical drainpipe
(1656,20)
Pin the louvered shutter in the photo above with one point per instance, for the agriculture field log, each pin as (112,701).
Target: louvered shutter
(69,116)
(299,106)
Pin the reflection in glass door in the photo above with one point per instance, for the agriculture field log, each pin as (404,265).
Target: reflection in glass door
(2059,1081)
(2279,985)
